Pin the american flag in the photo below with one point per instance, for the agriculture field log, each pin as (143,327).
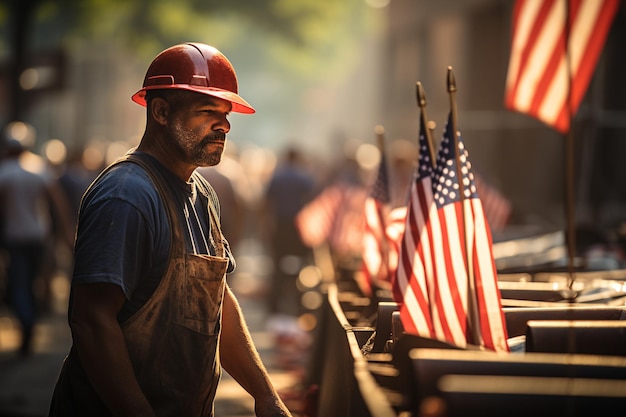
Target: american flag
(334,217)
(394,233)
(467,298)
(375,246)
(497,206)
(413,277)
(547,36)
(444,293)
(315,220)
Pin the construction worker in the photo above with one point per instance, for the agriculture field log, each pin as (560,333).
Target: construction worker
(153,320)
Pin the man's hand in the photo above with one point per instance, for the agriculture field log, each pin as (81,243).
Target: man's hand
(271,408)
(241,360)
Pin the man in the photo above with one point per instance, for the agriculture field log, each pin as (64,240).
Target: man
(289,189)
(152,317)
(32,209)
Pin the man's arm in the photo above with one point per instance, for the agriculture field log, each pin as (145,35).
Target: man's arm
(241,360)
(102,349)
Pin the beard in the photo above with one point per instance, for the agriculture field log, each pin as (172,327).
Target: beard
(204,152)
(208,151)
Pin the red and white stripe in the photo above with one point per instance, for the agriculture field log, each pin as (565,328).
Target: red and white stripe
(316,219)
(394,232)
(445,294)
(334,217)
(496,206)
(375,245)
(410,284)
(538,79)
(467,309)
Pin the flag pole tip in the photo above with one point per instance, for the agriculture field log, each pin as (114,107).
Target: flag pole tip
(421,95)
(451,81)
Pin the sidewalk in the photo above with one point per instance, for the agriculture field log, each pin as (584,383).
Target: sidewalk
(26,383)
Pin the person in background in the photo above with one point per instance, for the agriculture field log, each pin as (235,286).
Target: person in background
(289,189)
(153,319)
(75,179)
(232,220)
(32,209)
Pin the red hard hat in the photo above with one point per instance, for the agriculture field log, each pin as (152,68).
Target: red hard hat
(194,67)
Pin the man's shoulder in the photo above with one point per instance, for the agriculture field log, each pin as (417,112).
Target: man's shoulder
(125,181)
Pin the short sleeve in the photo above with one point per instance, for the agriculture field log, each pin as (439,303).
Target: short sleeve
(113,243)
(123,234)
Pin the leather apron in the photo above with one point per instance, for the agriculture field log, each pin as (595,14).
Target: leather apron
(173,339)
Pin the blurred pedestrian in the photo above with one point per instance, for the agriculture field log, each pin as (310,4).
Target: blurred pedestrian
(403,158)
(29,196)
(289,189)
(75,179)
(153,319)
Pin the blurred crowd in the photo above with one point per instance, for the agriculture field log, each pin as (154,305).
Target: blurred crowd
(41,185)
(287,202)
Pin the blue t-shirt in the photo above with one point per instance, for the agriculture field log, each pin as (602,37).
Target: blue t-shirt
(123,234)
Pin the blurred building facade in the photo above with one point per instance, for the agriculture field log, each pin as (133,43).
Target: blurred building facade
(519,155)
(420,38)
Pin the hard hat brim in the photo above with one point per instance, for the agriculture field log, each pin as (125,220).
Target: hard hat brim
(239,104)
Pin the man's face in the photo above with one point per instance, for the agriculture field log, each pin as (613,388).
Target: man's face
(197,126)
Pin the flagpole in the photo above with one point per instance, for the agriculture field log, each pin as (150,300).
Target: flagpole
(379,130)
(569,160)
(421,102)
(472,321)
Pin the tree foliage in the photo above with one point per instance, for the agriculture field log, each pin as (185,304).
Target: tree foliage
(303,37)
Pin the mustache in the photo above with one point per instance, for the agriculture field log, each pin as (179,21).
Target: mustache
(214,137)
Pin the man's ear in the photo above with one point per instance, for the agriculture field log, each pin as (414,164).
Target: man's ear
(159,109)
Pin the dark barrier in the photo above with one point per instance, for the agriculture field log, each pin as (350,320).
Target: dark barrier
(496,396)
(347,388)
(518,317)
(595,337)
(364,366)
(535,291)
(497,384)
